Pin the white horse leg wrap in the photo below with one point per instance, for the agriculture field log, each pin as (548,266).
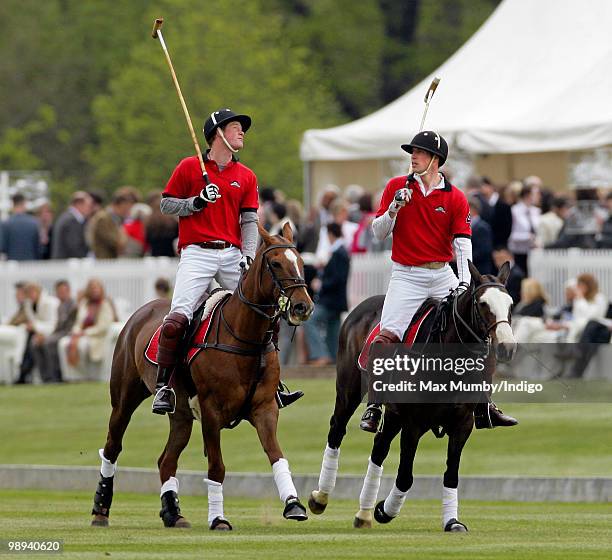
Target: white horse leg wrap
(171,484)
(450,505)
(371,484)
(107,469)
(283,480)
(394,502)
(215,500)
(329,470)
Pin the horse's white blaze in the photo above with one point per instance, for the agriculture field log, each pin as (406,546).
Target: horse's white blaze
(499,303)
(292,258)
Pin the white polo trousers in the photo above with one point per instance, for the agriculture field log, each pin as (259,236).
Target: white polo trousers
(196,270)
(408,288)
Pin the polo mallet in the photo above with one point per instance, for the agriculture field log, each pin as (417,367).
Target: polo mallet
(157,34)
(428,96)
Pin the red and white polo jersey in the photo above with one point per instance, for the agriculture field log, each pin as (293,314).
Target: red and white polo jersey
(425,228)
(219,220)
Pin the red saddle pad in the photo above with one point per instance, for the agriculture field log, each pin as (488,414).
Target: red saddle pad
(199,338)
(409,337)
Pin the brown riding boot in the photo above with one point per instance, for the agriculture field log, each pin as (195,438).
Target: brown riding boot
(373,413)
(487,415)
(170,338)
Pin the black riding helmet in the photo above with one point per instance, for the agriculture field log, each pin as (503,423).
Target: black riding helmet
(221,117)
(431,142)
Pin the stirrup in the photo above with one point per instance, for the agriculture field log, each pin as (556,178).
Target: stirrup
(285,397)
(371,418)
(164,401)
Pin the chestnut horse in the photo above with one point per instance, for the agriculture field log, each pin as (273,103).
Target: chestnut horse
(481,313)
(235,376)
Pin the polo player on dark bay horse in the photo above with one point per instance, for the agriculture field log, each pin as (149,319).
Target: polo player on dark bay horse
(430,220)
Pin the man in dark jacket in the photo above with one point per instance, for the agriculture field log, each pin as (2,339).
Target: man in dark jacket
(323,327)
(19,235)
(482,239)
(496,213)
(68,239)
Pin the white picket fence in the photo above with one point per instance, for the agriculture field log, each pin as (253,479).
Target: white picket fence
(130,282)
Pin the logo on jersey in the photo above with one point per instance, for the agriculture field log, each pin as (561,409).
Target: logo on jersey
(468,220)
(235,184)
(440,209)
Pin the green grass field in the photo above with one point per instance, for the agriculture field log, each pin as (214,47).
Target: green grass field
(66,424)
(497,530)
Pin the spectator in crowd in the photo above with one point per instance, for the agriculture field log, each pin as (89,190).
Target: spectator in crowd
(13,336)
(352,194)
(605,238)
(277,218)
(19,236)
(105,234)
(41,313)
(19,317)
(589,304)
(161,230)
(323,327)
(95,315)
(525,220)
(364,240)
(552,221)
(496,212)
(44,215)
(528,316)
(295,214)
(68,238)
(45,348)
(134,229)
(482,238)
(163,290)
(338,210)
(319,217)
(596,332)
(515,278)
(511,193)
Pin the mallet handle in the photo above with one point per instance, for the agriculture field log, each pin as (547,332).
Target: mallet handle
(430,92)
(158,35)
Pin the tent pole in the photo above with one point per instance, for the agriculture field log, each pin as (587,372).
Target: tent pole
(307,185)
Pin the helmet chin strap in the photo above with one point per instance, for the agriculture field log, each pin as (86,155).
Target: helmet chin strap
(428,168)
(227,143)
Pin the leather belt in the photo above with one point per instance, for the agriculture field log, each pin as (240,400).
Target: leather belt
(431,265)
(215,245)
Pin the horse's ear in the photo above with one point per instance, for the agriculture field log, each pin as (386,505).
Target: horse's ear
(474,273)
(504,272)
(288,232)
(265,236)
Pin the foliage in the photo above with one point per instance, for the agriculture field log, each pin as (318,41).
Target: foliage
(247,66)
(87,94)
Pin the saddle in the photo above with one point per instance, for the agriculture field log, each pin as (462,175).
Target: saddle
(428,322)
(197,333)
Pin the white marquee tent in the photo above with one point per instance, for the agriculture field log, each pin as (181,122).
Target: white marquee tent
(536,77)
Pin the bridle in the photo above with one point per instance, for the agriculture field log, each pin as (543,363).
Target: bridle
(281,305)
(477,320)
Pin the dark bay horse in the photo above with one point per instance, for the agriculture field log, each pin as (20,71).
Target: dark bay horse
(236,377)
(483,312)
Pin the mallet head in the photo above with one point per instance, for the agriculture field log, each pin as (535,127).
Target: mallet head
(156,26)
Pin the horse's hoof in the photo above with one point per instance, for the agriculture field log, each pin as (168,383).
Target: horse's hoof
(379,513)
(454,526)
(99,521)
(317,507)
(182,523)
(294,509)
(362,522)
(220,524)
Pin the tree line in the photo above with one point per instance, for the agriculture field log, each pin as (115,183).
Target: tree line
(87,93)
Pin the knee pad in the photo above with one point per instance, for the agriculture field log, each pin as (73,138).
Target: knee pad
(174,326)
